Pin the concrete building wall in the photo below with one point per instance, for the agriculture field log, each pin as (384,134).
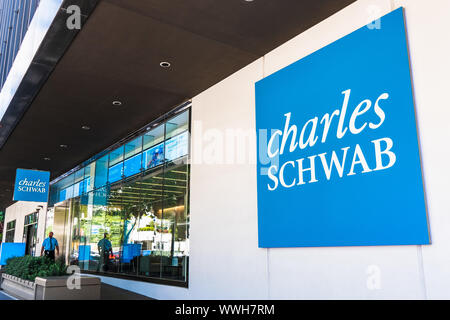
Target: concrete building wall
(17,212)
(225,261)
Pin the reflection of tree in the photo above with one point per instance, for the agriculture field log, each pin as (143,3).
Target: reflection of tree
(136,211)
(175,203)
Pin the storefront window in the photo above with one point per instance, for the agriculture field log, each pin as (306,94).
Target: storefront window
(130,214)
(154,137)
(89,177)
(115,172)
(133,147)
(174,223)
(116,156)
(101,172)
(154,156)
(177,125)
(10,231)
(132,165)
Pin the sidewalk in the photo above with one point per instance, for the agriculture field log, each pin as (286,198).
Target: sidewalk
(4,296)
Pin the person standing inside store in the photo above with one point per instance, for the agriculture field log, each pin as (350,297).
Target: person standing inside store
(104,248)
(49,245)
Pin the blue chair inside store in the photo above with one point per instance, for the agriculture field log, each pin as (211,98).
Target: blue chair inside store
(137,247)
(84,253)
(130,251)
(127,253)
(146,253)
(11,250)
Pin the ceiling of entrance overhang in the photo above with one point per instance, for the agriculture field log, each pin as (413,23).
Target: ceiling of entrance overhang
(117,55)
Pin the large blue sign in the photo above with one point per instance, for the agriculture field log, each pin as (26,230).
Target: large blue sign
(31,185)
(340,162)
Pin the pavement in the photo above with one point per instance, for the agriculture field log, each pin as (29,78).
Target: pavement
(108,292)
(4,296)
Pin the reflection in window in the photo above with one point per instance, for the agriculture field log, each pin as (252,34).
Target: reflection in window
(132,166)
(166,142)
(79,175)
(78,188)
(133,147)
(177,124)
(174,243)
(146,223)
(49,220)
(177,147)
(115,172)
(154,156)
(154,137)
(129,211)
(89,177)
(101,172)
(116,156)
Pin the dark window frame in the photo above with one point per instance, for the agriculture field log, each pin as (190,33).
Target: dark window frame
(10,229)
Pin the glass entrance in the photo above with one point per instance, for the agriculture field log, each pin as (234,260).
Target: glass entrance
(29,233)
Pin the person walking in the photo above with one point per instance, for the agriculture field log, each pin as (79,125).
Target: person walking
(49,245)
(104,249)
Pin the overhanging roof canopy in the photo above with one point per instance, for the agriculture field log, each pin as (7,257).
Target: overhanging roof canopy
(75,76)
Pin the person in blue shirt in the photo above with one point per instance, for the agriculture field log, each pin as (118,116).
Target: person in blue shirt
(104,249)
(49,245)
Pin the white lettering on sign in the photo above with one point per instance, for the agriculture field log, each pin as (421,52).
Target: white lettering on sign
(36,186)
(348,161)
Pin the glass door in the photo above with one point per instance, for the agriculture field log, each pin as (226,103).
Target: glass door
(29,233)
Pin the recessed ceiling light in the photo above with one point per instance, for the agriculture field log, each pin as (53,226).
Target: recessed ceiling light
(117,103)
(86,128)
(165,64)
